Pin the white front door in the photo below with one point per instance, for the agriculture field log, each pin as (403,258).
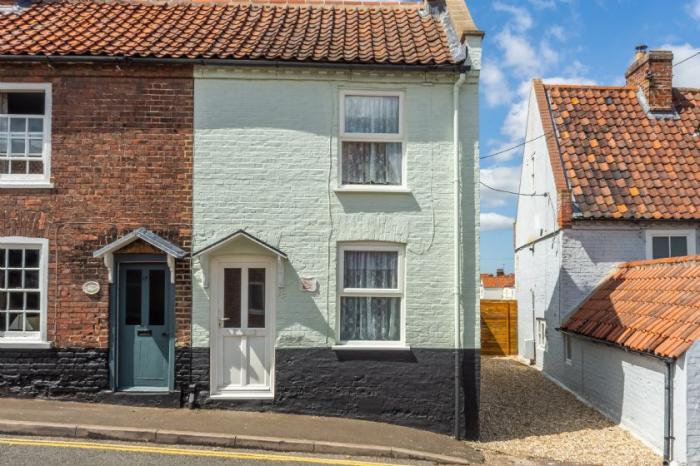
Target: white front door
(242,346)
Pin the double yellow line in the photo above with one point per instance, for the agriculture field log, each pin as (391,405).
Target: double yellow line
(183,452)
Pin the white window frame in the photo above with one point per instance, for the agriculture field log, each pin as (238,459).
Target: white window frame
(541,334)
(31,339)
(568,348)
(372,137)
(33,181)
(360,292)
(688,233)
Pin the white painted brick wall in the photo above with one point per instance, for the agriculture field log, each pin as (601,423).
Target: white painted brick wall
(266,153)
(693,404)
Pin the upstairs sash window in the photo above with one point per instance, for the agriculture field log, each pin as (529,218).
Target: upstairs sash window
(372,140)
(25,134)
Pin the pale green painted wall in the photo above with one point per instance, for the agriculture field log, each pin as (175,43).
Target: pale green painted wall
(266,162)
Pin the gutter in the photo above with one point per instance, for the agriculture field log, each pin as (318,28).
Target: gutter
(224,62)
(457,256)
(668,388)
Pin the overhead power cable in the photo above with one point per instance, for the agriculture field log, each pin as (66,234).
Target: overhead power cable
(515,146)
(686,59)
(511,192)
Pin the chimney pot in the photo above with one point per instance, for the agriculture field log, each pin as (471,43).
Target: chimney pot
(652,72)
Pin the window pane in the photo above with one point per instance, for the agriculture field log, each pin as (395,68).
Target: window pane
(32,301)
(31,258)
(16,301)
(256,298)
(14,258)
(3,255)
(17,147)
(372,114)
(660,247)
(35,147)
(18,167)
(2,282)
(133,297)
(156,297)
(31,279)
(4,124)
(14,279)
(36,125)
(18,125)
(15,322)
(370,318)
(371,269)
(3,145)
(232,298)
(26,103)
(3,300)
(372,163)
(36,168)
(3,321)
(679,246)
(32,323)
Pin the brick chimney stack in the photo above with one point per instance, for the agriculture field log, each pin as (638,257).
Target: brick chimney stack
(652,72)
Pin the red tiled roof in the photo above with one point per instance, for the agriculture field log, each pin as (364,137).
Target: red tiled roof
(498,281)
(618,162)
(315,33)
(649,306)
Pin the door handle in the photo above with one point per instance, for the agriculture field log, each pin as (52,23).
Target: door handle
(222,320)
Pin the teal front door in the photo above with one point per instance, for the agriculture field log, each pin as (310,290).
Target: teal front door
(144,327)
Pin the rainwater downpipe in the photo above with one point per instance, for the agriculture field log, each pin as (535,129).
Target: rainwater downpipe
(457,275)
(668,412)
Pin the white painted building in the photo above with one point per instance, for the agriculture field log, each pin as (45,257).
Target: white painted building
(612,173)
(500,286)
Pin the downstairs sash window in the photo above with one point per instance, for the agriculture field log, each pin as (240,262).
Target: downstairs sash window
(371,295)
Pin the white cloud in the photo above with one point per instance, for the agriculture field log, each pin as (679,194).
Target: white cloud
(505,178)
(491,221)
(521,18)
(495,84)
(686,74)
(694,9)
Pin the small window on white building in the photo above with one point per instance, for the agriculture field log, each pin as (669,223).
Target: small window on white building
(23,283)
(371,294)
(662,244)
(25,134)
(541,334)
(568,350)
(371,140)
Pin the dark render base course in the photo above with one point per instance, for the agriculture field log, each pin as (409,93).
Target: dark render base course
(414,389)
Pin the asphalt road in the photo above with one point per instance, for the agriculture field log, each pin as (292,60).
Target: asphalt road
(35,451)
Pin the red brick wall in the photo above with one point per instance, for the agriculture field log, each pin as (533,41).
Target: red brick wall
(121,158)
(653,73)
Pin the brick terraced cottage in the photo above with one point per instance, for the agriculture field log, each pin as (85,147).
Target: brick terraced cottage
(617,179)
(246,206)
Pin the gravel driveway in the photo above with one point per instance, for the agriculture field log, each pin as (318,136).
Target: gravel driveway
(524,414)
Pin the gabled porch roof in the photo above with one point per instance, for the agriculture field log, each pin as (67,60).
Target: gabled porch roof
(146,235)
(234,236)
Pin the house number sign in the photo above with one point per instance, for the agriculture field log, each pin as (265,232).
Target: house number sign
(91,288)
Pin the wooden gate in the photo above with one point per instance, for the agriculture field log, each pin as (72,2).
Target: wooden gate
(499,327)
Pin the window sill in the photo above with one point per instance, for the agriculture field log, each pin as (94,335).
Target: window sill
(19,344)
(397,347)
(373,189)
(26,184)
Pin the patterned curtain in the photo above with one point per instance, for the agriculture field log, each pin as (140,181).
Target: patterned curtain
(370,318)
(371,114)
(372,163)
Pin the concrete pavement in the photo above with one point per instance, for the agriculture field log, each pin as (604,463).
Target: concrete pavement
(239,429)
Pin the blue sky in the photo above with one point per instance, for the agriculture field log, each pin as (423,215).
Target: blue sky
(581,41)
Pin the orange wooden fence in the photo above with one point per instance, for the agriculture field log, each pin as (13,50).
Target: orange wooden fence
(499,327)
